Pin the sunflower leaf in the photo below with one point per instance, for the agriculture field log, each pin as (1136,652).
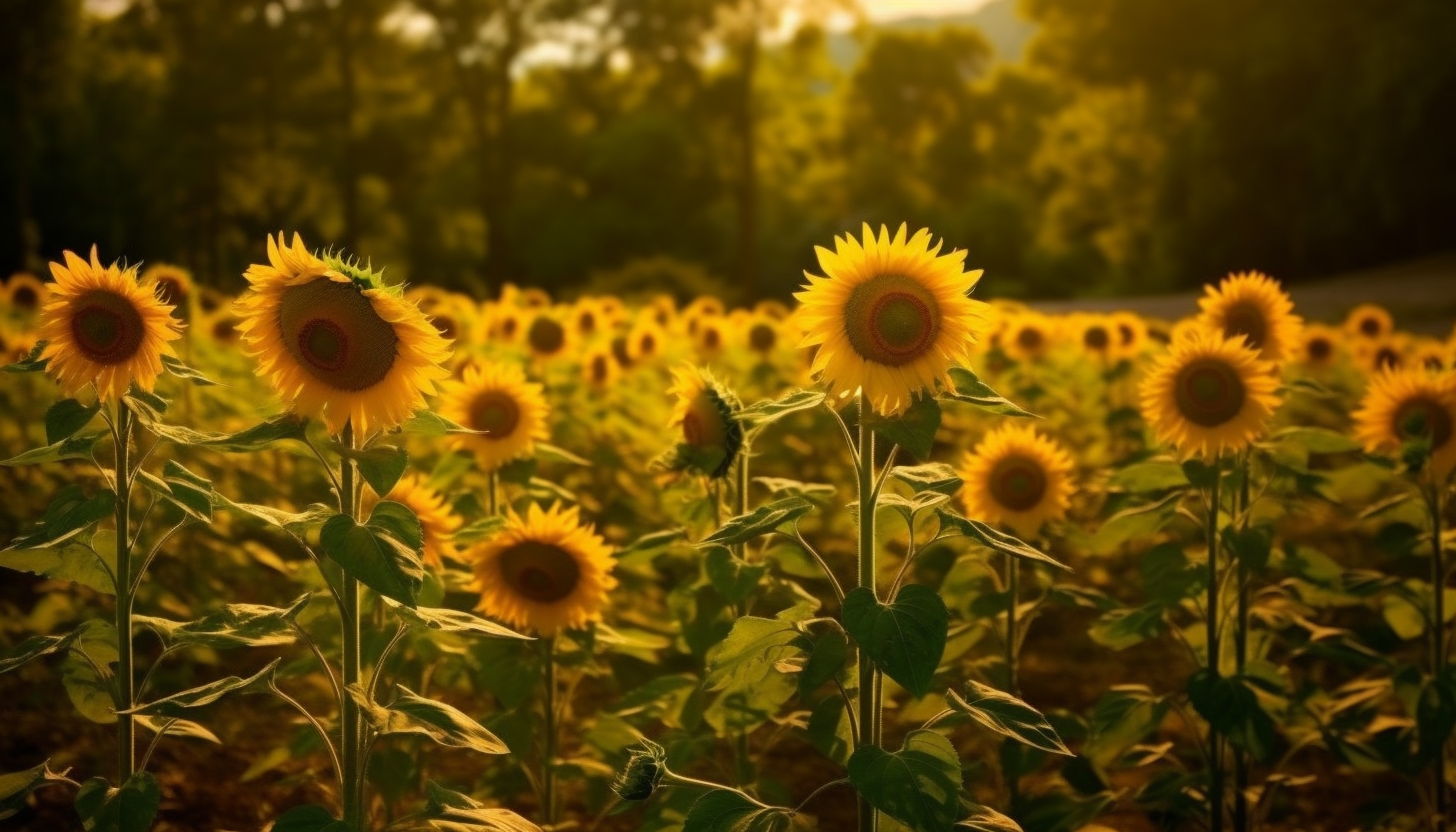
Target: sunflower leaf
(414,714)
(454,621)
(381,465)
(34,647)
(914,430)
(176,367)
(768,411)
(762,520)
(729,810)
(429,423)
(952,523)
(32,362)
(1007,715)
(235,625)
(905,638)
(88,563)
(180,703)
(70,513)
(67,416)
(932,476)
(382,554)
(74,447)
(16,786)
(919,785)
(130,808)
(967,387)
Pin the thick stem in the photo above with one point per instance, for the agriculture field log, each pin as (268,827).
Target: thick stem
(1438,640)
(125,684)
(743,763)
(1215,756)
(869,688)
(548,760)
(350,724)
(1241,647)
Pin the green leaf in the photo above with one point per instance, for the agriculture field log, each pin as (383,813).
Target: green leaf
(398,521)
(69,514)
(75,447)
(1121,629)
(67,416)
(778,486)
(174,727)
(86,671)
(34,647)
(908,507)
(147,406)
(906,638)
(1168,575)
(89,564)
(932,476)
(256,438)
(1317,440)
(374,556)
(952,523)
(1200,473)
(986,819)
(309,818)
(547,451)
(413,714)
(734,579)
(968,388)
(180,703)
(1149,477)
(768,411)
(429,423)
(454,812)
(130,808)
(759,522)
(381,465)
(235,625)
(298,524)
(914,430)
(454,621)
(1229,705)
(32,362)
(1007,716)
(828,658)
(16,786)
(747,656)
(919,785)
(190,492)
(1138,522)
(1250,546)
(174,365)
(726,810)
(478,530)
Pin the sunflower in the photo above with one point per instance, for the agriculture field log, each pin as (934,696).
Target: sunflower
(1209,394)
(761,333)
(545,571)
(1251,305)
(621,351)
(662,309)
(707,414)
(437,521)
(1402,405)
(1028,337)
(172,284)
(705,305)
(507,323)
(546,336)
(334,341)
(645,341)
(586,318)
(25,292)
(610,308)
(1319,346)
(533,297)
(770,308)
(1430,354)
(1132,333)
(497,399)
(1369,322)
(102,327)
(711,336)
(1018,478)
(1378,355)
(599,367)
(222,327)
(891,316)
(1098,337)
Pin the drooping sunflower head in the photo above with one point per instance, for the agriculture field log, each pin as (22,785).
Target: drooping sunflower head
(101,326)
(1018,478)
(1369,322)
(25,293)
(335,341)
(546,336)
(599,367)
(545,572)
(1401,406)
(172,284)
(497,398)
(890,316)
(1028,337)
(1098,337)
(1252,306)
(1319,346)
(706,413)
(437,521)
(1209,394)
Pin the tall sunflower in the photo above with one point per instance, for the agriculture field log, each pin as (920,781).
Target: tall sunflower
(1252,306)
(707,414)
(496,398)
(1132,333)
(545,572)
(102,327)
(437,521)
(890,316)
(645,341)
(1018,478)
(1209,394)
(334,341)
(1403,405)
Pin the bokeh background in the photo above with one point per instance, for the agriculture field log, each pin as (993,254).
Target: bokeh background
(1075,147)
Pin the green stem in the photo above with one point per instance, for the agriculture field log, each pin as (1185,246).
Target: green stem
(125,684)
(548,761)
(1241,646)
(1215,757)
(350,723)
(869,682)
(1438,638)
(492,494)
(1013,587)
(743,763)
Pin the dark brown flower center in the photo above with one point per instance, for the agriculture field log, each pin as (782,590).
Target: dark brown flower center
(332,330)
(540,571)
(1433,362)
(445,325)
(619,351)
(509,327)
(25,297)
(762,337)
(1423,417)
(647,345)
(1370,326)
(1018,483)
(107,328)
(495,412)
(599,369)
(224,331)
(1246,319)
(1125,332)
(170,290)
(1386,358)
(586,322)
(1209,392)
(1029,338)
(546,336)
(1096,338)
(1319,349)
(891,320)
(712,338)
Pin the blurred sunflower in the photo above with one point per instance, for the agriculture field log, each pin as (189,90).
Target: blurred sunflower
(1430,354)
(1319,346)
(1098,338)
(599,367)
(761,333)
(610,308)
(172,285)
(662,309)
(222,327)
(645,341)
(533,297)
(1132,333)
(772,309)
(25,292)
(621,351)
(705,306)
(546,336)
(707,414)
(507,323)
(1378,355)
(1403,405)
(437,522)
(333,340)
(545,572)
(1028,337)
(891,316)
(1018,478)
(586,318)
(1369,322)
(1209,394)
(497,399)
(101,326)
(712,337)
(1252,306)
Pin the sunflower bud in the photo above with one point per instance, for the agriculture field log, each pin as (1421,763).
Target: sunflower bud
(644,771)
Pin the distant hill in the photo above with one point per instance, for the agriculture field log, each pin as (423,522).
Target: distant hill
(998,20)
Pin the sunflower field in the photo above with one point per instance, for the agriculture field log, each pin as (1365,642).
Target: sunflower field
(339,554)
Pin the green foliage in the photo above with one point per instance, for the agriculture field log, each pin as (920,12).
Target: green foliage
(919,785)
(382,553)
(129,808)
(761,521)
(410,713)
(1006,715)
(724,810)
(904,638)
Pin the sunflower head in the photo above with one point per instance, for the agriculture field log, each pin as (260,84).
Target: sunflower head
(172,284)
(25,293)
(1209,394)
(1430,355)
(335,341)
(761,332)
(437,521)
(1409,407)
(1319,346)
(890,316)
(545,572)
(1369,322)
(1098,337)
(546,336)
(707,414)
(587,318)
(1018,478)
(711,337)
(1381,355)
(1028,337)
(645,342)
(497,399)
(599,367)
(1132,333)
(102,327)
(222,327)
(1253,307)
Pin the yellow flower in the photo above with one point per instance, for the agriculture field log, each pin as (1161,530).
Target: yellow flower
(1319,346)
(437,521)
(1209,394)
(1098,337)
(172,284)
(711,338)
(507,323)
(587,317)
(546,572)
(707,415)
(102,327)
(761,333)
(1252,306)
(1402,405)
(222,327)
(1369,322)
(645,341)
(1132,334)
(1027,337)
(1430,354)
(599,367)
(338,344)
(546,336)
(1018,478)
(25,293)
(891,317)
(497,398)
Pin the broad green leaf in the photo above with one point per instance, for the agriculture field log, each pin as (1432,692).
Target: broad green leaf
(827,659)
(235,625)
(828,729)
(17,786)
(1139,522)
(32,362)
(130,808)
(454,812)
(653,541)
(1317,440)
(1121,629)
(400,522)
(180,703)
(768,411)
(454,621)
(1229,705)
(34,647)
(277,429)
(298,524)
(89,564)
(1250,546)
(906,638)
(309,818)
(932,476)
(986,819)
(176,367)
(780,487)
(75,447)
(182,488)
(724,810)
(1149,477)
(747,656)
(908,507)
(70,513)
(1008,716)
(1123,717)
(952,523)
(145,405)
(734,579)
(1168,576)
(968,388)
(428,423)
(381,465)
(86,671)
(372,555)
(413,714)
(67,416)
(919,785)
(477,530)
(175,727)
(759,522)
(914,430)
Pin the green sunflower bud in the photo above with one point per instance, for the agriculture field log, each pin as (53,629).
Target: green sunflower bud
(644,771)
